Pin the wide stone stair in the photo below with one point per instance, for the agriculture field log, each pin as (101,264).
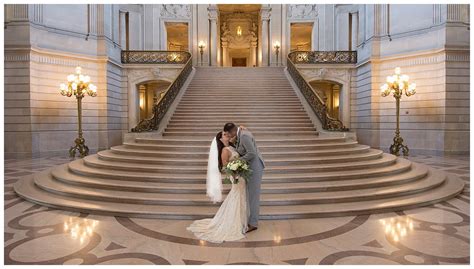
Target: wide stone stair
(307,175)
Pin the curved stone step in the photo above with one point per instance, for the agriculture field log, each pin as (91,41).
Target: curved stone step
(262,142)
(45,181)
(78,167)
(109,155)
(62,173)
(94,161)
(264,148)
(177,152)
(28,190)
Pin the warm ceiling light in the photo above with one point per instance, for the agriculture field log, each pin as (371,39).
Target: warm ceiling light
(239,30)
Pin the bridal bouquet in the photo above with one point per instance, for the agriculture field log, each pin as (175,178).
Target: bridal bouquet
(236,169)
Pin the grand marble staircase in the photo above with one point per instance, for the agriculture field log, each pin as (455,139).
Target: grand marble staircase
(308,175)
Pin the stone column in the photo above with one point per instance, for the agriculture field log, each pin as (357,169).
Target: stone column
(213,16)
(265,17)
(253,53)
(225,56)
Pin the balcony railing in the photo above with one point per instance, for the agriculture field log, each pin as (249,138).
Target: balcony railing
(323,57)
(155,57)
(161,106)
(317,103)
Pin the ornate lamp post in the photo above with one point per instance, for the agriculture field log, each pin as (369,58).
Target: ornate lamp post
(201,47)
(276,45)
(398,84)
(78,85)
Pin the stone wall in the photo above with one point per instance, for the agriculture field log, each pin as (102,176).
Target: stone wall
(433,49)
(43,44)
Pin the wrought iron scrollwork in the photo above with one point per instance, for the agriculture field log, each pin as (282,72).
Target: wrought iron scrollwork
(317,104)
(323,57)
(161,106)
(155,57)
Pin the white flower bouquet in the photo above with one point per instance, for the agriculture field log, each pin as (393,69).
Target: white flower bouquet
(236,169)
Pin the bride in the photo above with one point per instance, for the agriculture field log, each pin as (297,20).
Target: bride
(230,221)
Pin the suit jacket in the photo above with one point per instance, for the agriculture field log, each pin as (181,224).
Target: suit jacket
(247,148)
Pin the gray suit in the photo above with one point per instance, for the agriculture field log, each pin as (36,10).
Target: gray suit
(247,148)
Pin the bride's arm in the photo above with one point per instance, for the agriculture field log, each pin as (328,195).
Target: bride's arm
(225,156)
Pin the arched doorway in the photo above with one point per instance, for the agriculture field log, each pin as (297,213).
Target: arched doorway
(330,91)
(149,91)
(239,31)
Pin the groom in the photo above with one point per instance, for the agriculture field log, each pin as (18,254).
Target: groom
(247,148)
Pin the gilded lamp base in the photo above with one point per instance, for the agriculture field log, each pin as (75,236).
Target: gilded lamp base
(80,147)
(398,145)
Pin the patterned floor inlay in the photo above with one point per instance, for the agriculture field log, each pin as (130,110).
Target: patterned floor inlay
(437,234)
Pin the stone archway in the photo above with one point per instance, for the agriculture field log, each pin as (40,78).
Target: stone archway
(239,30)
(330,91)
(140,76)
(148,92)
(340,76)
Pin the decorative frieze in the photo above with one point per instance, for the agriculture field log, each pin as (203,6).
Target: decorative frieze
(156,73)
(336,74)
(175,11)
(302,11)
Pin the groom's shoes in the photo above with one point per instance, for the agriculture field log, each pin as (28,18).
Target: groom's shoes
(251,228)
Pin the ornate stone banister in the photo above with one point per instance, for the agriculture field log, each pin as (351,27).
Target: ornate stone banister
(161,106)
(155,57)
(317,103)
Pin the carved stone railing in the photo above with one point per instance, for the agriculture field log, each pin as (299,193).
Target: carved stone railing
(317,104)
(161,106)
(155,57)
(323,57)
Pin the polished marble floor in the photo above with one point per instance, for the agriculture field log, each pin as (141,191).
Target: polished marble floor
(437,234)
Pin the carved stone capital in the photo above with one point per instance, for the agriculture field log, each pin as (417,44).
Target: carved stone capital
(213,12)
(265,13)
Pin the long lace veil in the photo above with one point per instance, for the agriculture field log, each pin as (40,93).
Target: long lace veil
(214,180)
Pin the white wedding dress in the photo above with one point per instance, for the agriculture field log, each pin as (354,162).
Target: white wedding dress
(230,221)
